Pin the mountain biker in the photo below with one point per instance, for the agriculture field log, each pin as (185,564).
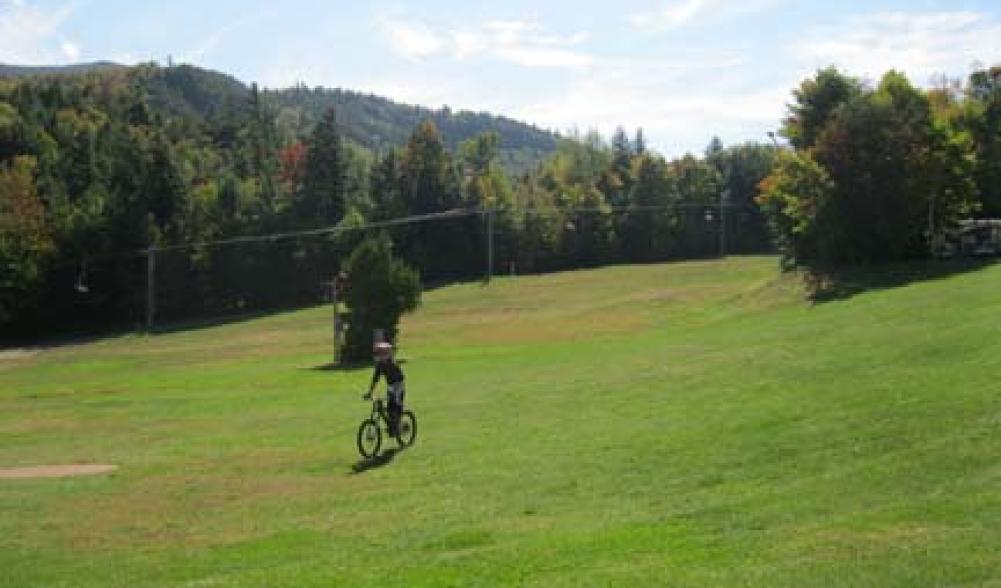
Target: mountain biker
(384,365)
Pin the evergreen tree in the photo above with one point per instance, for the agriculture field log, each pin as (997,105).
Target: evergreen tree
(323,186)
(639,143)
(649,224)
(617,188)
(163,192)
(259,144)
(714,148)
(444,249)
(428,175)
(386,187)
(381,288)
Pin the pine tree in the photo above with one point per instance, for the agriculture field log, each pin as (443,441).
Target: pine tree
(618,182)
(260,142)
(381,288)
(324,179)
(639,143)
(386,187)
(430,185)
(649,223)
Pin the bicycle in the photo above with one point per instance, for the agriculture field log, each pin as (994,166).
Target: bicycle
(370,433)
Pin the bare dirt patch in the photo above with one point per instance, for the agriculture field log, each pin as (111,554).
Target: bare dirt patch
(18,353)
(56,471)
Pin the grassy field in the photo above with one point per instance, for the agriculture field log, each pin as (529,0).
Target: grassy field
(691,424)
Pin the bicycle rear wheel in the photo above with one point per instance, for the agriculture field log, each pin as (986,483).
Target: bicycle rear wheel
(406,433)
(369,438)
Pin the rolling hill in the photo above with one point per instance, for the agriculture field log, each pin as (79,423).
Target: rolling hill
(704,426)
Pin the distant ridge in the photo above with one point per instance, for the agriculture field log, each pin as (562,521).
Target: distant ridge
(16,71)
(373,122)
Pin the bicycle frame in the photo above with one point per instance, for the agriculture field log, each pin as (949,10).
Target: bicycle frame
(379,411)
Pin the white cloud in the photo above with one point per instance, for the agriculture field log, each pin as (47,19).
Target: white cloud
(211,41)
(70,50)
(543,57)
(466,44)
(522,43)
(680,102)
(678,14)
(31,35)
(919,44)
(412,41)
(674,15)
(680,105)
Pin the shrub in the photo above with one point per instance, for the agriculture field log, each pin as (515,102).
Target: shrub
(380,289)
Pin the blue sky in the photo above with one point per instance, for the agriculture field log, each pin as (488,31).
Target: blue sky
(684,70)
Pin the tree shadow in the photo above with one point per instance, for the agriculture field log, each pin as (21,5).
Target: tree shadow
(85,333)
(383,459)
(844,283)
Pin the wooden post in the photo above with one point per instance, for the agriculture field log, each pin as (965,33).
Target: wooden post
(150,288)
(722,222)
(490,244)
(337,285)
(931,225)
(337,321)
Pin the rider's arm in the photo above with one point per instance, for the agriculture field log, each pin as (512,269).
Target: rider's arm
(375,378)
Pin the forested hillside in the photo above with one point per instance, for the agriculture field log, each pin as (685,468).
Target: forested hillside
(114,184)
(380,124)
(117,185)
(370,121)
(8,70)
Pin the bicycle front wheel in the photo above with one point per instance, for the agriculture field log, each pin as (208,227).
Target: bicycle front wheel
(407,431)
(369,438)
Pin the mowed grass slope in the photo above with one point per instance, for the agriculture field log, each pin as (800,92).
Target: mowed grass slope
(690,424)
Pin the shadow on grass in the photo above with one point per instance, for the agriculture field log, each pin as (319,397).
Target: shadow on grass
(844,283)
(341,367)
(84,333)
(348,367)
(383,459)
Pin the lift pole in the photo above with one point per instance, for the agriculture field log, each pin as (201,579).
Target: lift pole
(490,243)
(150,288)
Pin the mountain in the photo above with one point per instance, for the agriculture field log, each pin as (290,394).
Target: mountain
(15,71)
(374,122)
(191,92)
(380,123)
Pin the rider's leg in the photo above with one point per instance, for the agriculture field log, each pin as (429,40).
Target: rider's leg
(391,408)
(396,394)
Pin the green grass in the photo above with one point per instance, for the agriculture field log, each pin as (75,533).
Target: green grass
(691,424)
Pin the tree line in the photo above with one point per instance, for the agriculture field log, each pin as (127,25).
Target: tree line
(97,168)
(883,172)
